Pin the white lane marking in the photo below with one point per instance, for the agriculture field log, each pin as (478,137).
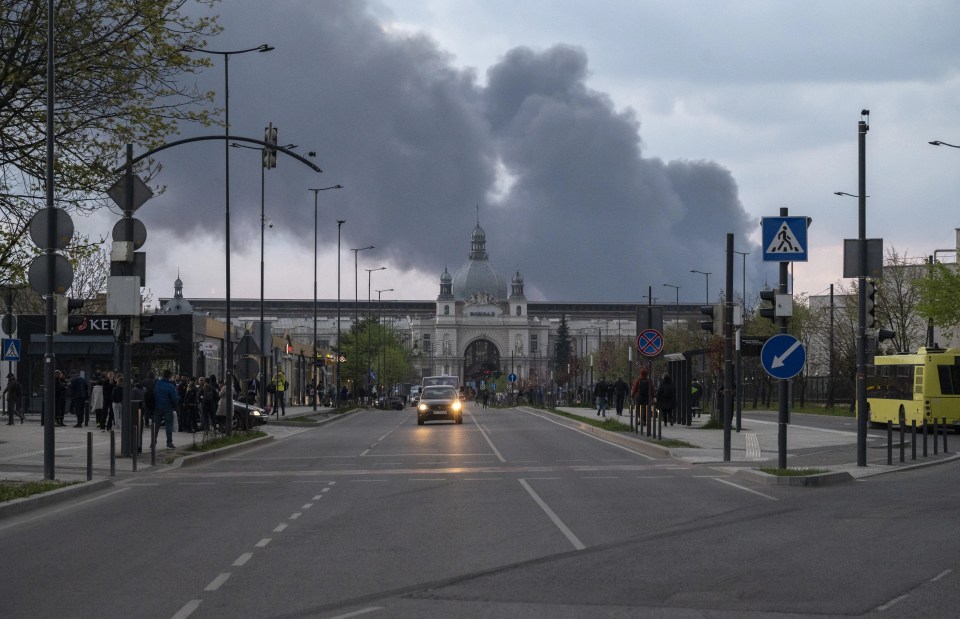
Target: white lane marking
(487,437)
(889,604)
(263,542)
(254,482)
(598,438)
(295,515)
(217,582)
(280,528)
(195,483)
(811,428)
(427,479)
(363,481)
(364,452)
(730,483)
(599,477)
(940,575)
(307,506)
(357,613)
(242,559)
(482,478)
(318,497)
(187,609)
(325,490)
(577,544)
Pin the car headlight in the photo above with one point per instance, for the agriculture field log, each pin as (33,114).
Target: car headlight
(422,408)
(456,405)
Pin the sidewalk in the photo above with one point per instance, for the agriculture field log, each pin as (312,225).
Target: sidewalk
(756,445)
(22,448)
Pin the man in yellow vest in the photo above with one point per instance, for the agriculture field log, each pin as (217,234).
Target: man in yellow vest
(280,386)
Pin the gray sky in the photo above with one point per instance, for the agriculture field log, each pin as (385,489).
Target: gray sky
(610,145)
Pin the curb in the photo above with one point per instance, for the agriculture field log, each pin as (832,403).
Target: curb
(192,459)
(820,479)
(54,497)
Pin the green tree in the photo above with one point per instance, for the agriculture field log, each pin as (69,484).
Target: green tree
(939,296)
(118,64)
(562,353)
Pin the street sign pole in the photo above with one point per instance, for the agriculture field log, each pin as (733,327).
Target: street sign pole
(783,417)
(728,354)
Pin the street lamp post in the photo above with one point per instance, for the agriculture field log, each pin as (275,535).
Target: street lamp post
(228,343)
(313,372)
(356,316)
(366,380)
(336,396)
(677,306)
(743,320)
(707,277)
(380,331)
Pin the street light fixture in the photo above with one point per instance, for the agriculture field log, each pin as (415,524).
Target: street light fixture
(366,380)
(336,396)
(707,276)
(228,343)
(939,143)
(313,372)
(356,316)
(677,307)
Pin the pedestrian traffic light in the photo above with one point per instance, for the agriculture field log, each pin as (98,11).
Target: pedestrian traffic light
(871,305)
(708,311)
(270,151)
(66,305)
(142,328)
(770,311)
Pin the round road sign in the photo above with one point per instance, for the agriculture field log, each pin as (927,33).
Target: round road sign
(650,343)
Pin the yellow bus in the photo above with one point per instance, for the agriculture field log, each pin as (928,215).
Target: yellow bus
(925,385)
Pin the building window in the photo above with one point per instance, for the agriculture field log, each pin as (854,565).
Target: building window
(519,311)
(446,310)
(323,344)
(533,344)
(427,344)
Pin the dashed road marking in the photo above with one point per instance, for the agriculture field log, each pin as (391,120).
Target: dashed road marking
(217,582)
(263,542)
(280,528)
(242,559)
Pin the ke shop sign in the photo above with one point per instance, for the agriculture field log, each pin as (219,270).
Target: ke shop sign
(94,326)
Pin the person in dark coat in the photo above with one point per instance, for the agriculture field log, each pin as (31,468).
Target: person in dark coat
(619,393)
(166,402)
(641,396)
(666,399)
(600,397)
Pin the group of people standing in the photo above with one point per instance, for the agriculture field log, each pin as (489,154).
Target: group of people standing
(665,397)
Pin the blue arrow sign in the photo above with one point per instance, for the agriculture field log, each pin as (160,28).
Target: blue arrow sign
(11,349)
(783,356)
(784,239)
(512,377)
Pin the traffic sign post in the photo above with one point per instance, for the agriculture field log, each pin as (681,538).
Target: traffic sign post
(11,349)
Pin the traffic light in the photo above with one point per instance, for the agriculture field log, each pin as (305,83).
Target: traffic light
(270,154)
(66,305)
(710,312)
(871,296)
(770,311)
(142,328)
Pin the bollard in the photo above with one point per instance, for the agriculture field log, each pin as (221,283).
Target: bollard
(889,442)
(936,434)
(89,456)
(153,442)
(659,424)
(913,439)
(924,437)
(944,435)
(903,424)
(134,447)
(113,454)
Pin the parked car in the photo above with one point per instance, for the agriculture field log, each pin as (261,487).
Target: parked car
(439,402)
(393,402)
(414,397)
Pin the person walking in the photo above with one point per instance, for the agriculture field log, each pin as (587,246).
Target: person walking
(116,411)
(600,397)
(96,401)
(666,398)
(165,402)
(619,393)
(641,396)
(14,394)
(280,385)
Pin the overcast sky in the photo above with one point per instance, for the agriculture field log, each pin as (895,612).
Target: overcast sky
(609,145)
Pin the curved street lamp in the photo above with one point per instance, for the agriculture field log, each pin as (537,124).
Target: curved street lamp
(939,143)
(676,287)
(313,372)
(366,379)
(356,316)
(228,343)
(707,276)
(380,331)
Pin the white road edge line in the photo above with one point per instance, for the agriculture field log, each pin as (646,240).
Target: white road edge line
(489,442)
(64,508)
(940,575)
(280,527)
(577,544)
(187,609)
(602,440)
(357,613)
(730,483)
(889,604)
(217,582)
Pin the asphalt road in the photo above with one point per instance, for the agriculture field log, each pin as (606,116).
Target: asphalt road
(514,513)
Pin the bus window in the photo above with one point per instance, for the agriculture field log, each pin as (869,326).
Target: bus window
(949,379)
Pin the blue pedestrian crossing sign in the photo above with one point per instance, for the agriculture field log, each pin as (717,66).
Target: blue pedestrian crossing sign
(783,356)
(784,239)
(11,349)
